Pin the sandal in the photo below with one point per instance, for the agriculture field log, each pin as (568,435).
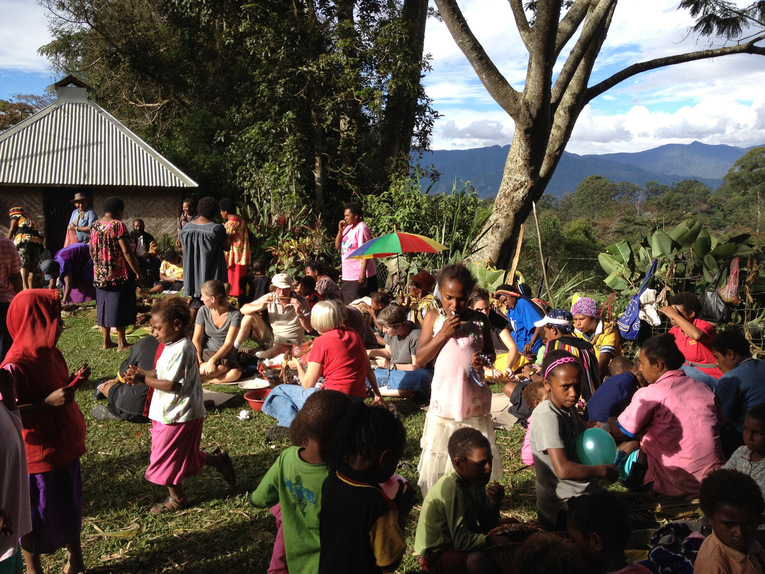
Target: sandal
(170,504)
(227,468)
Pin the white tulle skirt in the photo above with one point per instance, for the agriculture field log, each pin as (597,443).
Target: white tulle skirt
(434,459)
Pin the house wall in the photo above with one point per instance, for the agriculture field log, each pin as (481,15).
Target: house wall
(51,208)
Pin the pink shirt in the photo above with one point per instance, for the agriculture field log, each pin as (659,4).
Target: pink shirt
(526,454)
(680,421)
(353,238)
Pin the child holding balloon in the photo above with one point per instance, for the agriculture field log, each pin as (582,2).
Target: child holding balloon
(553,437)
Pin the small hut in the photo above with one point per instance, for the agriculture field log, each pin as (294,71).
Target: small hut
(74,145)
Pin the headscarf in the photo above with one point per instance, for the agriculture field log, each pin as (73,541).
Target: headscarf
(587,307)
(560,319)
(54,437)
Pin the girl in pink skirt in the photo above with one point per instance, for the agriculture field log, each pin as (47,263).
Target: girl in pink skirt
(177,410)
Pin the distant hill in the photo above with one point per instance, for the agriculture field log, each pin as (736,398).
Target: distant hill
(666,164)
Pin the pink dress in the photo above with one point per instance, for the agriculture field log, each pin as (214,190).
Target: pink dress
(457,400)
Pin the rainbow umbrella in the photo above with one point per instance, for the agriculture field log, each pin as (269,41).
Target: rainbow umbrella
(395,244)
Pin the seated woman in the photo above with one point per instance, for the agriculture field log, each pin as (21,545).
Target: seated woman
(170,273)
(399,374)
(325,286)
(337,355)
(215,330)
(605,339)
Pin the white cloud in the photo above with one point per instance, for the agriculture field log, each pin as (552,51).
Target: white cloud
(24,29)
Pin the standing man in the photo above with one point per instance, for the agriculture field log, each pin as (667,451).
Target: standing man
(203,242)
(359,275)
(10,284)
(82,218)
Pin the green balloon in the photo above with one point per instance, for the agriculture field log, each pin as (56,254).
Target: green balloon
(595,446)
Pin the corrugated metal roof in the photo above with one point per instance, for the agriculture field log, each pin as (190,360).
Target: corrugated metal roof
(76,142)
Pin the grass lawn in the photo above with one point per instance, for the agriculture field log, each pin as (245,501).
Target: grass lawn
(220,531)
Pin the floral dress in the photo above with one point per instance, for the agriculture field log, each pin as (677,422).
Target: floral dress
(110,267)
(238,255)
(459,398)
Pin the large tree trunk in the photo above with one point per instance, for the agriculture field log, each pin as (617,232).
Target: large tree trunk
(397,128)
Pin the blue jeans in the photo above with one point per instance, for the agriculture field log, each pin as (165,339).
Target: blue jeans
(284,402)
(418,380)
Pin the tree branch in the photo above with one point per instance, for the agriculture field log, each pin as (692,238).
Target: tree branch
(494,82)
(633,70)
(570,23)
(594,28)
(542,57)
(521,22)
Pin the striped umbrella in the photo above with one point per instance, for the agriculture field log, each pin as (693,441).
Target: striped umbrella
(395,244)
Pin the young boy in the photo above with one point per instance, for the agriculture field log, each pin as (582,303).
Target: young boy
(553,442)
(295,481)
(599,528)
(459,510)
(614,394)
(750,458)
(732,503)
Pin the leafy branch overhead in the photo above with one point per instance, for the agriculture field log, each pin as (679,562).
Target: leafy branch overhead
(563,41)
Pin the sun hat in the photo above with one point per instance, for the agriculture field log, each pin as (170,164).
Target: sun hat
(557,318)
(282,281)
(79,196)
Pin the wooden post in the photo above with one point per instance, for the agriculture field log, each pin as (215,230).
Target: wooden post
(541,254)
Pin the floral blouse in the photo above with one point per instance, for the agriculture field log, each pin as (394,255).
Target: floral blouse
(110,267)
(239,241)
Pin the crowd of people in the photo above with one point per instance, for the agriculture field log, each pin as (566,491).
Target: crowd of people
(690,400)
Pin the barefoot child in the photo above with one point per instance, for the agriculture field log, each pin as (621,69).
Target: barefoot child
(294,481)
(458,339)
(733,504)
(460,510)
(556,427)
(176,410)
(361,527)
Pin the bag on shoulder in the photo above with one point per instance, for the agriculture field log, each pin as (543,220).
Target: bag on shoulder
(629,321)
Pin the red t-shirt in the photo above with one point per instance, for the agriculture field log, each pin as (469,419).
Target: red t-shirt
(344,361)
(699,352)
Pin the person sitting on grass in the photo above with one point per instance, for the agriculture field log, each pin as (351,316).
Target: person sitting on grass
(605,339)
(614,394)
(254,286)
(750,458)
(293,483)
(128,402)
(741,386)
(170,273)
(177,410)
(459,510)
(400,375)
(337,354)
(215,329)
(733,504)
(599,528)
(553,436)
(289,318)
(675,419)
(306,288)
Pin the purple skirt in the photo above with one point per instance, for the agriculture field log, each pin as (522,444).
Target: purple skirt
(56,497)
(116,306)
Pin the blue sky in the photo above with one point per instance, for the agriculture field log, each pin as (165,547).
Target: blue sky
(716,101)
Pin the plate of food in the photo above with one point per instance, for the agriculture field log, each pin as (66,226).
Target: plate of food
(253,384)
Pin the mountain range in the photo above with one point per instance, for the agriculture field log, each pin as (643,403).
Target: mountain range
(667,164)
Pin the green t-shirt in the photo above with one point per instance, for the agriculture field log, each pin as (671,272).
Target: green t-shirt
(297,486)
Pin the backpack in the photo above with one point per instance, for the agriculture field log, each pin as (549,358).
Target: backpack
(629,321)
